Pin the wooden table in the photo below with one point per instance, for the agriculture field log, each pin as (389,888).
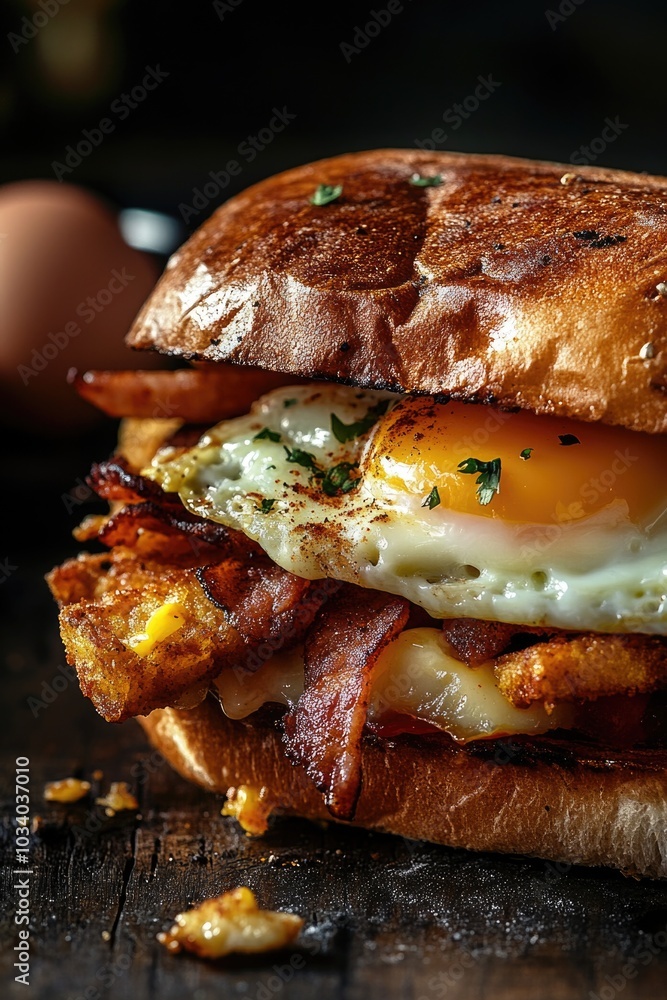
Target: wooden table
(385,918)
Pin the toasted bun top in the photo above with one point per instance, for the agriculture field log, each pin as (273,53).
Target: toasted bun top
(515,282)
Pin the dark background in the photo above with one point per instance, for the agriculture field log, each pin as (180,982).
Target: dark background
(227,71)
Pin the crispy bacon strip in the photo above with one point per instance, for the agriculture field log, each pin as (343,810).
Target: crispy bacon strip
(171,535)
(239,602)
(584,668)
(262,601)
(197,396)
(112,480)
(324,730)
(155,523)
(477,641)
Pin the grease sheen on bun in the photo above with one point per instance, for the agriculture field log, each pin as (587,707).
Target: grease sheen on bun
(515,282)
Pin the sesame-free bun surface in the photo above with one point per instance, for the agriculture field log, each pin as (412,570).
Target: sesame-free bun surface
(502,284)
(545,802)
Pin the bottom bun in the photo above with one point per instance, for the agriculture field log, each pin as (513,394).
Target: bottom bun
(544,798)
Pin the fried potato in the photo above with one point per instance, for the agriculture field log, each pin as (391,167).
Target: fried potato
(196,396)
(128,659)
(583,669)
(139,439)
(78,578)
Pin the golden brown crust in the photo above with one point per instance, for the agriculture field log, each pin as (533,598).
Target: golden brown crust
(113,597)
(550,805)
(502,284)
(582,669)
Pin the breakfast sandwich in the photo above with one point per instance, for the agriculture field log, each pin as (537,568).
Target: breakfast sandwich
(392,549)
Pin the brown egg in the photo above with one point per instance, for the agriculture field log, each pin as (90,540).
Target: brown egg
(69,290)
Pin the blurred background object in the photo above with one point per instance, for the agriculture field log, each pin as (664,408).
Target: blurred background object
(69,288)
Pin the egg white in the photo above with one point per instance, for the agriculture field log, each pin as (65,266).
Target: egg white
(600,573)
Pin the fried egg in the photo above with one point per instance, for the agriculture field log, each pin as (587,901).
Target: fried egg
(463,509)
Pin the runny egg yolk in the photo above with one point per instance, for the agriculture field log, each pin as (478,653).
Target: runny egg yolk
(551,469)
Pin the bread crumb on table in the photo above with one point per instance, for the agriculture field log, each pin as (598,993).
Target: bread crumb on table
(118,798)
(66,790)
(232,922)
(250,806)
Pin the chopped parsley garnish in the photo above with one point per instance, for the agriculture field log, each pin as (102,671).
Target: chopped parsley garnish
(433,499)
(347,432)
(488,479)
(304,458)
(568,439)
(526,453)
(334,480)
(337,479)
(324,194)
(266,505)
(289,402)
(267,433)
(418,180)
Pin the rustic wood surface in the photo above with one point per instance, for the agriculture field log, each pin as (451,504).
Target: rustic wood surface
(385,918)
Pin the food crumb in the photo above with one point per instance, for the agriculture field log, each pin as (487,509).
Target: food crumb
(232,922)
(66,790)
(118,798)
(106,935)
(250,806)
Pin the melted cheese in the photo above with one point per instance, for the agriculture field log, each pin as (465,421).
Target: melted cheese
(416,675)
(164,621)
